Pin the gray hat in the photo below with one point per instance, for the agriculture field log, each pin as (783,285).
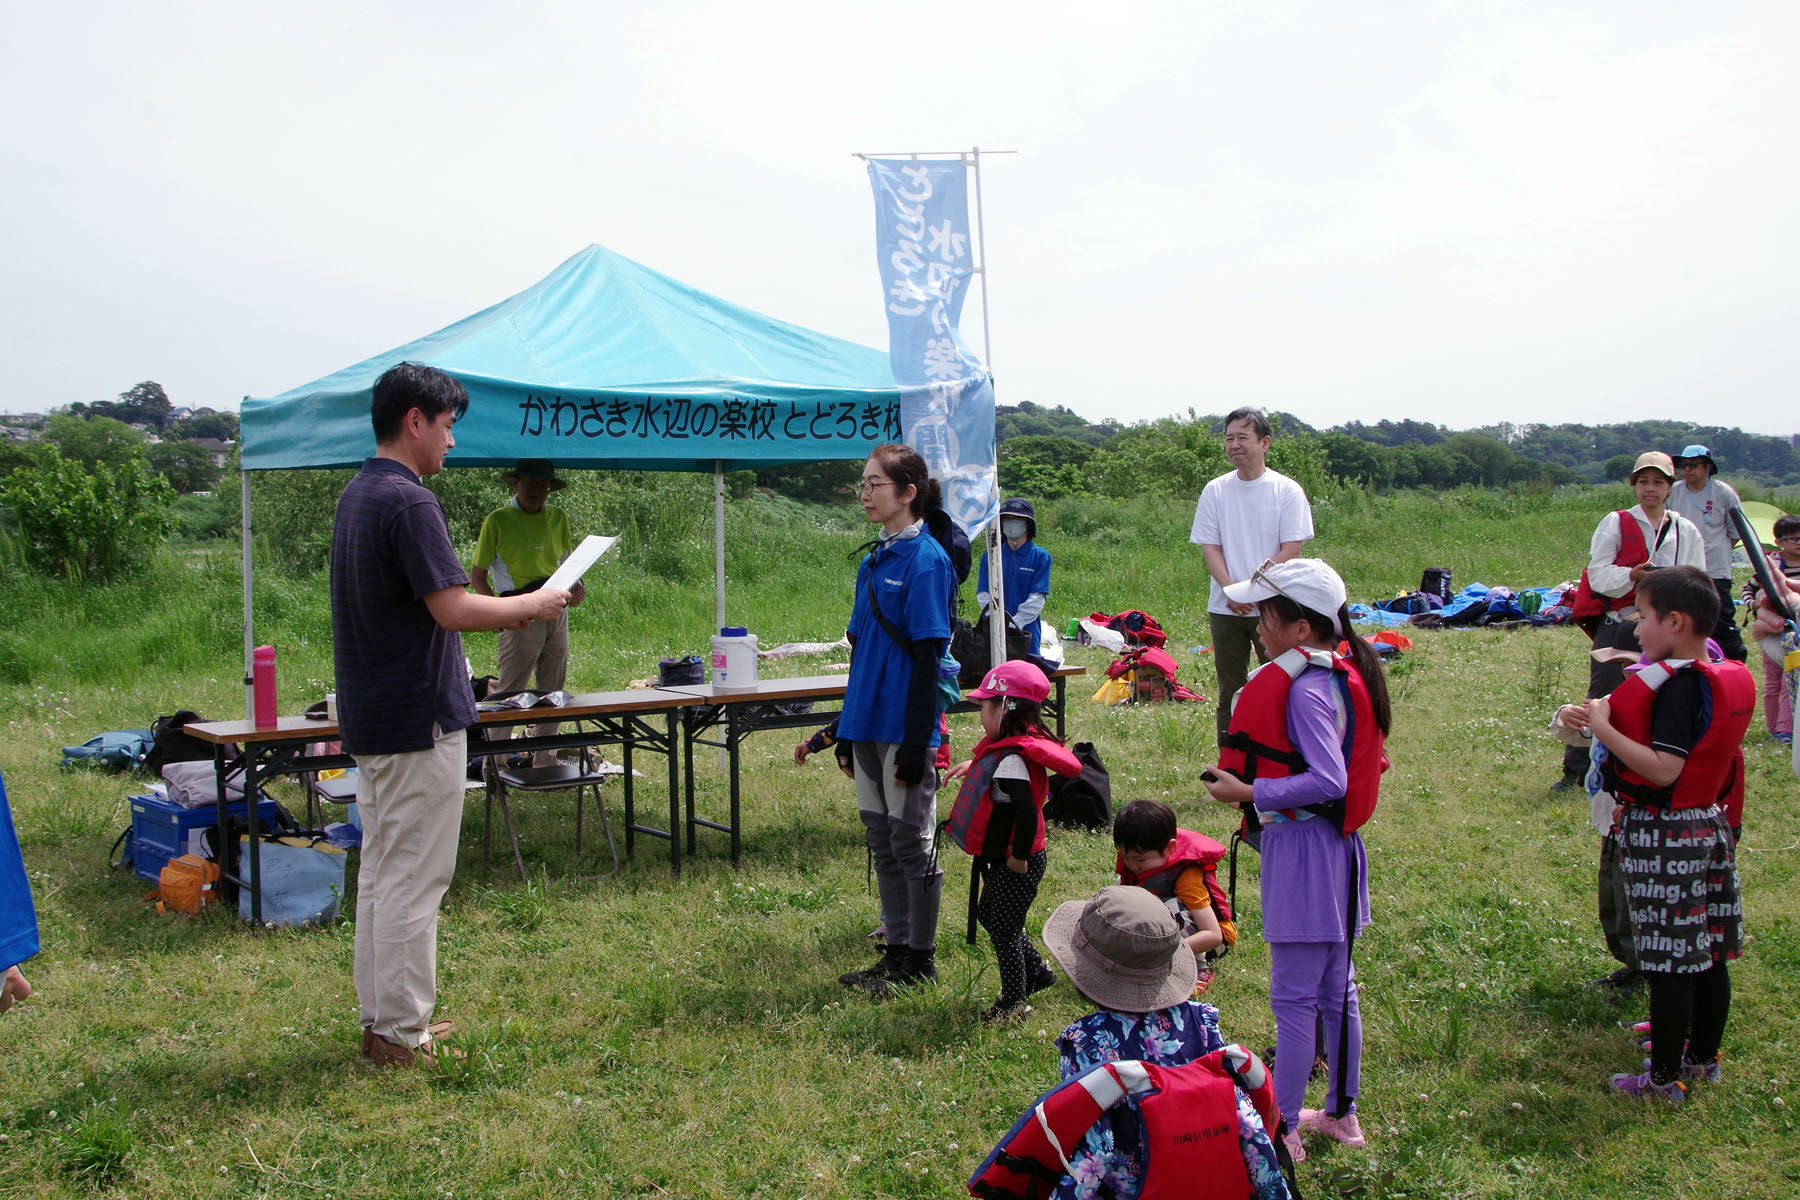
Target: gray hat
(1122,950)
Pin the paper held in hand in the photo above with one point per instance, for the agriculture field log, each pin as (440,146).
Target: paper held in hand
(584,556)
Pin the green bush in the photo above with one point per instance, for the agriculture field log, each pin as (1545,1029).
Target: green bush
(88,521)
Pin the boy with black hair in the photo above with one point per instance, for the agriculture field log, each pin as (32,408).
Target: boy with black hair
(1177,867)
(1674,735)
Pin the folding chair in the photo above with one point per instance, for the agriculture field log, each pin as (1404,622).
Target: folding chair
(576,777)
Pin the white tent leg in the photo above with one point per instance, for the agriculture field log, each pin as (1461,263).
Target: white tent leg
(249,619)
(718,542)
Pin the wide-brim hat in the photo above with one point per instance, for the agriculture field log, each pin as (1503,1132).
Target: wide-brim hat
(534,468)
(1653,460)
(1123,950)
(1308,582)
(1697,453)
(1016,507)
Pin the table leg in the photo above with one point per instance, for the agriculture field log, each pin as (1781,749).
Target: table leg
(630,799)
(675,793)
(1061,734)
(731,738)
(225,846)
(687,764)
(255,834)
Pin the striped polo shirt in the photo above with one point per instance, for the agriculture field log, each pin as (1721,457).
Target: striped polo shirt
(398,671)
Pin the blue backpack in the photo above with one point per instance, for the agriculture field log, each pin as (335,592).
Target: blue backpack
(120,750)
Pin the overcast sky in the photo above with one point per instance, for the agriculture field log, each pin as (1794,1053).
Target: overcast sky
(1455,212)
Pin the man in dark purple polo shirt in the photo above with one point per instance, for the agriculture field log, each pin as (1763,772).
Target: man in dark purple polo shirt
(398,602)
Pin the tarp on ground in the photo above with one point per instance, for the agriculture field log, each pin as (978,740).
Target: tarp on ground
(606,363)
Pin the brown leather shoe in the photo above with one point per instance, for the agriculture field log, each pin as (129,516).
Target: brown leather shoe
(368,1042)
(384,1052)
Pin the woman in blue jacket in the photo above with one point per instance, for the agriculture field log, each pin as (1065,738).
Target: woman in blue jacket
(898,627)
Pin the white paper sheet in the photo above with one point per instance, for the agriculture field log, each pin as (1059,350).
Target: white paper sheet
(584,556)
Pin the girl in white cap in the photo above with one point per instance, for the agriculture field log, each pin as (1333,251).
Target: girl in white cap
(1304,757)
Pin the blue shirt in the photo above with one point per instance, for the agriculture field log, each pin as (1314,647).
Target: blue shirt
(18,916)
(398,671)
(911,580)
(1027,570)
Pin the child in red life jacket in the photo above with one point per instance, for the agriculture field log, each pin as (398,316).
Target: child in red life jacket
(1304,752)
(1674,735)
(999,818)
(1177,866)
(1123,952)
(1768,624)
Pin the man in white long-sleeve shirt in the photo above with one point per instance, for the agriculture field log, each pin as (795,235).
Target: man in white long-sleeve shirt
(1615,565)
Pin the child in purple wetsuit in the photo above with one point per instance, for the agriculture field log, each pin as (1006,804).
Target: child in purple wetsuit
(1305,751)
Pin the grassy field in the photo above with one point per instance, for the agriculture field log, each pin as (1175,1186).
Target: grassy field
(653,1036)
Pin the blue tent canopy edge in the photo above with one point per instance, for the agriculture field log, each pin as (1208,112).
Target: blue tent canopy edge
(605,363)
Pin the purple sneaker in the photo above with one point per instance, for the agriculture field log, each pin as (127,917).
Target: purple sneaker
(1706,1072)
(1642,1087)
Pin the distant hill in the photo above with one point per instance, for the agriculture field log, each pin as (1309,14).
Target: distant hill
(1051,447)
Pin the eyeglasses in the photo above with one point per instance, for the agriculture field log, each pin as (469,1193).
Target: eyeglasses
(1792,539)
(867,487)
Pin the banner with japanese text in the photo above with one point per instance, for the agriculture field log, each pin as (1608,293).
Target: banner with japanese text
(924,250)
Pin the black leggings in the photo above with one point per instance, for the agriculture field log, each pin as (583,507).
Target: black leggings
(1690,1010)
(1006,897)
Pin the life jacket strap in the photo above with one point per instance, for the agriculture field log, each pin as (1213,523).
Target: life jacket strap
(1255,751)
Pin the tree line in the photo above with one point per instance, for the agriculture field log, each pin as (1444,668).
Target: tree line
(1053,452)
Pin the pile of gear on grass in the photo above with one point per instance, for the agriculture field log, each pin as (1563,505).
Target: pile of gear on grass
(171,839)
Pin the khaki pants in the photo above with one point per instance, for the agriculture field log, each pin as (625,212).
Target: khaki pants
(411,806)
(540,649)
(1234,637)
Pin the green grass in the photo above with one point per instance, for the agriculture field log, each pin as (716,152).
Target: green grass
(653,1036)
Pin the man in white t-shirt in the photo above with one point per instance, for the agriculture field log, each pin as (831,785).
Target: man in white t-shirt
(1706,500)
(1245,518)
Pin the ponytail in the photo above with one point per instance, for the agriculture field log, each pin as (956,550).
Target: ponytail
(1368,665)
(906,468)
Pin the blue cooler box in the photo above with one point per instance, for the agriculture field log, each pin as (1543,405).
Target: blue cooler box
(159,830)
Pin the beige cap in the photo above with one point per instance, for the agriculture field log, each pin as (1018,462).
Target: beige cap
(1653,458)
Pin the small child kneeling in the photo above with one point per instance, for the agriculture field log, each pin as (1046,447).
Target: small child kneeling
(1177,866)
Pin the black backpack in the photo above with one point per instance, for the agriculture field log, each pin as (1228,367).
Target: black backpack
(173,743)
(1085,800)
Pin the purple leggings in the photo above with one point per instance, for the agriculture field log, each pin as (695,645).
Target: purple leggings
(1306,984)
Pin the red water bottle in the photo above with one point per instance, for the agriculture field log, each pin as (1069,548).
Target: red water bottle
(262,676)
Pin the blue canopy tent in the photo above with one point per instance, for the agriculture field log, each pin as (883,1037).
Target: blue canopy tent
(603,363)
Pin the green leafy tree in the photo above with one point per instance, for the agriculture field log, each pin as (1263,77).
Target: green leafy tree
(88,521)
(146,402)
(221,425)
(187,467)
(95,441)
(1044,466)
(1616,466)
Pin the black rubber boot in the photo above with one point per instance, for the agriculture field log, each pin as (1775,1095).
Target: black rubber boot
(891,963)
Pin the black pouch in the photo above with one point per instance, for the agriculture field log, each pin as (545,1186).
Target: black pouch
(676,672)
(1086,799)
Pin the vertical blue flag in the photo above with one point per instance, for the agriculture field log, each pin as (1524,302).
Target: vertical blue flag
(946,396)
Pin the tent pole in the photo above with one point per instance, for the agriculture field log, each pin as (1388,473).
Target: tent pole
(987,341)
(996,615)
(719,542)
(249,619)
